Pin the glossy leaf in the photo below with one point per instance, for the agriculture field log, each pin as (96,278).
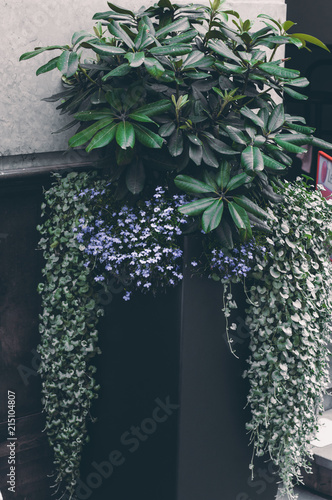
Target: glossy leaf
(251,159)
(167,129)
(237,181)
(191,185)
(171,50)
(78,36)
(146,137)
(39,50)
(221,48)
(196,153)
(68,63)
(125,135)
(295,95)
(178,25)
(121,70)
(84,135)
(49,66)
(153,67)
(320,143)
(135,59)
(155,108)
(236,135)
(273,164)
(103,137)
(239,215)
(209,157)
(291,148)
(223,174)
(86,116)
(175,143)
(135,177)
(115,29)
(250,206)
(311,39)
(276,119)
(301,128)
(212,216)
(257,120)
(224,234)
(278,71)
(106,50)
(196,207)
(195,57)
(140,117)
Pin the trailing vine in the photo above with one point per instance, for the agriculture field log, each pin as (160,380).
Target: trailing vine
(68,329)
(290,324)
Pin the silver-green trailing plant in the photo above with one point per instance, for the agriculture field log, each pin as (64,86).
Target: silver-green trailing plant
(290,322)
(68,329)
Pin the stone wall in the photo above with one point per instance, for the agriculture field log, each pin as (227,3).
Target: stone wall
(27,123)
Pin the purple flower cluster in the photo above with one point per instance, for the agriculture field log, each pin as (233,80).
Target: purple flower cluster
(236,263)
(139,241)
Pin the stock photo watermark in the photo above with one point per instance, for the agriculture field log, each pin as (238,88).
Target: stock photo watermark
(130,441)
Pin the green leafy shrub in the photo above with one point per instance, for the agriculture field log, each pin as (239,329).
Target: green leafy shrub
(173,89)
(67,327)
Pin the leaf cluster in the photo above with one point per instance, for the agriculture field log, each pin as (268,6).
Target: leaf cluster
(173,89)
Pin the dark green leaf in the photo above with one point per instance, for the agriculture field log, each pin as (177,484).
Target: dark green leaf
(175,143)
(222,49)
(121,70)
(115,29)
(171,50)
(153,67)
(125,135)
(239,216)
(320,143)
(78,36)
(141,117)
(103,137)
(178,25)
(273,164)
(295,95)
(191,185)
(292,148)
(278,71)
(105,50)
(84,135)
(250,206)
(210,180)
(237,181)
(147,138)
(208,156)
(212,216)
(68,63)
(277,118)
(167,129)
(257,120)
(49,66)
(135,177)
(196,153)
(258,224)
(135,59)
(39,50)
(196,207)
(311,39)
(251,159)
(236,135)
(193,59)
(299,139)
(86,116)
(120,10)
(301,128)
(224,234)
(155,108)
(223,174)
(220,147)
(299,82)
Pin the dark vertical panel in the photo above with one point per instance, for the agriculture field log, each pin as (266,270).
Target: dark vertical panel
(139,372)
(213,451)
(20,272)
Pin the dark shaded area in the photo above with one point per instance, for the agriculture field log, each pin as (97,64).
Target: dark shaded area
(138,369)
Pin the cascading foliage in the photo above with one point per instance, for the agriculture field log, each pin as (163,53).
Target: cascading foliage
(68,329)
(290,322)
(179,98)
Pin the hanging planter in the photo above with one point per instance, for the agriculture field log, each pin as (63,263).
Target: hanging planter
(177,101)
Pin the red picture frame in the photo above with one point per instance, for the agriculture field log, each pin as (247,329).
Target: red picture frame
(324,173)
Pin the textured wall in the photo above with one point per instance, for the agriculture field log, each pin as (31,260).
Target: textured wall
(26,122)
